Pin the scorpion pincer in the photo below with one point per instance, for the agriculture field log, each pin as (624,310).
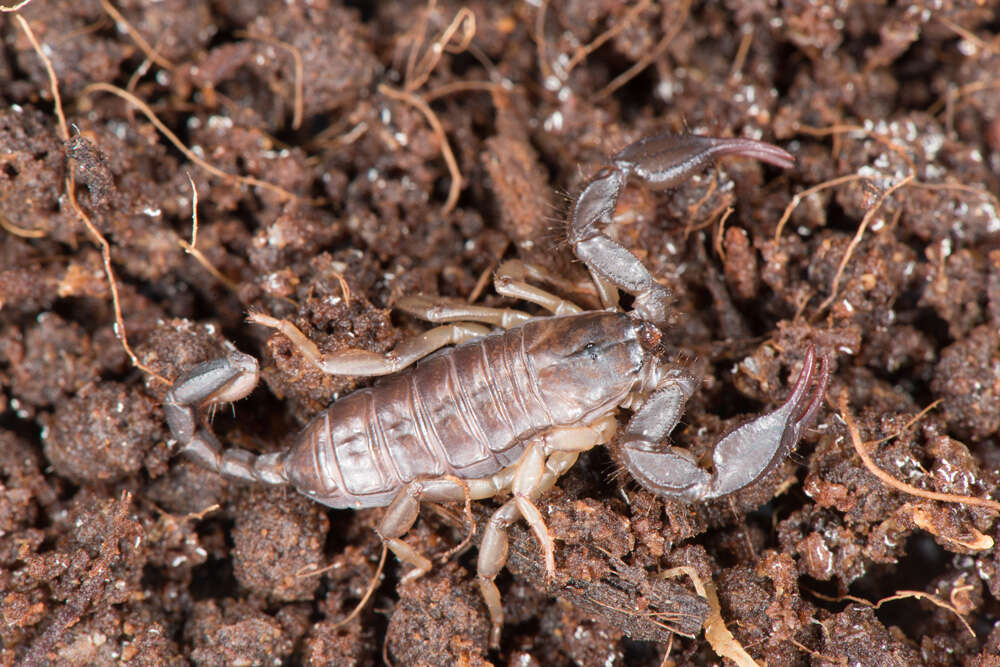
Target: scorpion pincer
(511,406)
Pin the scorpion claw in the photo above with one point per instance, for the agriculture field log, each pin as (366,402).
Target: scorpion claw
(740,458)
(756,448)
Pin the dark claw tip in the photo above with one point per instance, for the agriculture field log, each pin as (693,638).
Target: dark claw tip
(758,150)
(809,414)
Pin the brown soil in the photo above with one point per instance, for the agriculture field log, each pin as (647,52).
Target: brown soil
(113,551)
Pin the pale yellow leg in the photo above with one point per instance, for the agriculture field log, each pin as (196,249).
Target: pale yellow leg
(531,476)
(364,362)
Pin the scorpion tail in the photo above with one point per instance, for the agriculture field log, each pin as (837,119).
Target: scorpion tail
(238,464)
(219,381)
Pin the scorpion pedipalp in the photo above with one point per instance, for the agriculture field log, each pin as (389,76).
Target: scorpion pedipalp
(740,458)
(757,447)
(659,162)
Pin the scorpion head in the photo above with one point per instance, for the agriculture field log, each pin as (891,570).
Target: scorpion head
(580,363)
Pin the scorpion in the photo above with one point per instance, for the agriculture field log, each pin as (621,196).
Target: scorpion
(495,400)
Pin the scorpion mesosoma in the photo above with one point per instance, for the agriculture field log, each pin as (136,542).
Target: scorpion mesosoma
(509,408)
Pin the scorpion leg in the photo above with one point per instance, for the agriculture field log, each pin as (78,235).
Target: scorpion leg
(510,283)
(562,443)
(493,548)
(533,475)
(363,362)
(401,514)
(219,381)
(740,458)
(436,309)
(519,270)
(530,475)
(660,162)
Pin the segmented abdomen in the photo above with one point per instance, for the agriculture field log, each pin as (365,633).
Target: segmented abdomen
(466,411)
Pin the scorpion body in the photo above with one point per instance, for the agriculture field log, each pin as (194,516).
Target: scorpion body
(469,411)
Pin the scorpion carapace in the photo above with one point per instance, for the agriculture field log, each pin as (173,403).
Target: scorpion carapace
(510,407)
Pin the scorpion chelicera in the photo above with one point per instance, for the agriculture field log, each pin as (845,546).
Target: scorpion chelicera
(511,406)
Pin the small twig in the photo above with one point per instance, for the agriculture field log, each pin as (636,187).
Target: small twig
(710,219)
(487,275)
(297,104)
(71,195)
(112,282)
(417,73)
(352,135)
(467,517)
(905,427)
(716,632)
(16,8)
(169,522)
(953,95)
(920,595)
(650,57)
(799,196)
(804,299)
(345,289)
(461,87)
(139,40)
(961,188)
(834,284)
(690,227)
(816,654)
(618,25)
(482,282)
(973,541)
(837,130)
(175,140)
(719,248)
(541,43)
(837,598)
(385,651)
(741,55)
(418,33)
(194,210)
(133,81)
(198,516)
(190,248)
(653,617)
(23,232)
(449,157)
(898,595)
(713,185)
(859,447)
(967,34)
(201,259)
(53,81)
(666,661)
(368,593)
(310,570)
